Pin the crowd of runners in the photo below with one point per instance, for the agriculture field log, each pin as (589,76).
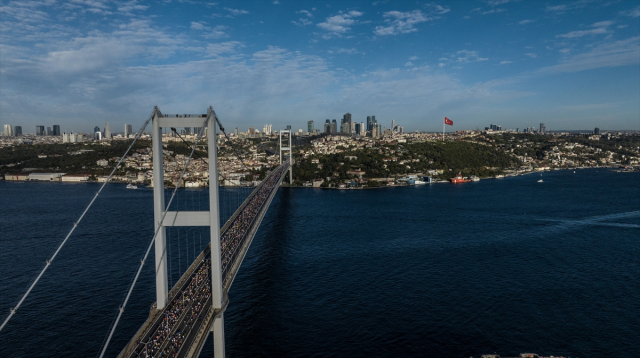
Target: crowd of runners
(235,234)
(183,312)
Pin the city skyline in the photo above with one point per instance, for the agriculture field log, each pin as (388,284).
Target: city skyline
(572,65)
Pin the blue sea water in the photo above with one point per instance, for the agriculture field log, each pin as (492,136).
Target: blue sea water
(505,266)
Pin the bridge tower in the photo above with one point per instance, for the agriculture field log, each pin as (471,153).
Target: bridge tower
(288,136)
(209,218)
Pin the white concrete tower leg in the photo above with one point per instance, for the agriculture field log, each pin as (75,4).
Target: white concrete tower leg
(218,337)
(162,282)
(280,147)
(216,262)
(214,211)
(290,161)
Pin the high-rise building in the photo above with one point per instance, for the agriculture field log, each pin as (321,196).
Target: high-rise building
(7,130)
(334,127)
(127,130)
(56,129)
(310,127)
(252,130)
(49,131)
(393,125)
(542,128)
(595,131)
(327,126)
(345,124)
(363,129)
(368,123)
(18,131)
(357,128)
(236,131)
(40,130)
(96,129)
(288,127)
(107,131)
(96,135)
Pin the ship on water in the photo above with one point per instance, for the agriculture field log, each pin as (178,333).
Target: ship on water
(459,179)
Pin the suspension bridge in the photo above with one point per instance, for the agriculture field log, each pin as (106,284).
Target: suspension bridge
(182,316)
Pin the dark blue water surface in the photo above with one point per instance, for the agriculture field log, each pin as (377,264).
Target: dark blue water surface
(504,266)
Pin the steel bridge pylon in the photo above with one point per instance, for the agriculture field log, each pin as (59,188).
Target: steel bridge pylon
(209,218)
(285,149)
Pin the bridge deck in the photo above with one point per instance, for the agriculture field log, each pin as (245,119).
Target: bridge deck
(182,327)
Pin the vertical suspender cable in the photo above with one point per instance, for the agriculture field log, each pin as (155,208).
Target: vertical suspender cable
(48,262)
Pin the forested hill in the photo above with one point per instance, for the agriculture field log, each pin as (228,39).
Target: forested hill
(461,156)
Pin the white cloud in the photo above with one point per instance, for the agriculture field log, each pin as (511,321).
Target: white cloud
(523,22)
(400,22)
(339,24)
(276,2)
(619,53)
(413,58)
(302,22)
(306,12)
(621,26)
(635,12)
(195,25)
(494,11)
(505,62)
(497,2)
(349,51)
(531,54)
(409,63)
(218,49)
(469,56)
(564,50)
(600,28)
(216,33)
(436,9)
(236,12)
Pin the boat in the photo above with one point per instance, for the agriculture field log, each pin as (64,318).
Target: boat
(474,178)
(499,176)
(540,181)
(422,180)
(459,179)
(131,186)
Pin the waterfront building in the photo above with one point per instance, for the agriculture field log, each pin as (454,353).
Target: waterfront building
(107,131)
(56,129)
(310,127)
(18,131)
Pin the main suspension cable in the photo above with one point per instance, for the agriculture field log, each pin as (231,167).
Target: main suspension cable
(75,224)
(164,214)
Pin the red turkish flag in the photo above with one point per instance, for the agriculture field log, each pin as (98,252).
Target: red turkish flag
(448,121)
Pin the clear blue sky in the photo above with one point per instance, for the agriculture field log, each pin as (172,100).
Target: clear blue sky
(80,63)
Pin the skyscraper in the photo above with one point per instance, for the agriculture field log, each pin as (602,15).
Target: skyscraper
(345,124)
(39,130)
(393,125)
(595,131)
(334,127)
(327,126)
(288,127)
(542,128)
(310,126)
(49,131)
(7,130)
(107,131)
(96,129)
(18,131)
(127,130)
(56,129)
(368,123)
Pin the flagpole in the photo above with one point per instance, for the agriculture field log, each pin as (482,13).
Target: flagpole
(443,129)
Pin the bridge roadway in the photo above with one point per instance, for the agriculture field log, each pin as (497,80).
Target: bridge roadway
(181,328)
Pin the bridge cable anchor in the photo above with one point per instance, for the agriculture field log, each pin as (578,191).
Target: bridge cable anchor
(48,262)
